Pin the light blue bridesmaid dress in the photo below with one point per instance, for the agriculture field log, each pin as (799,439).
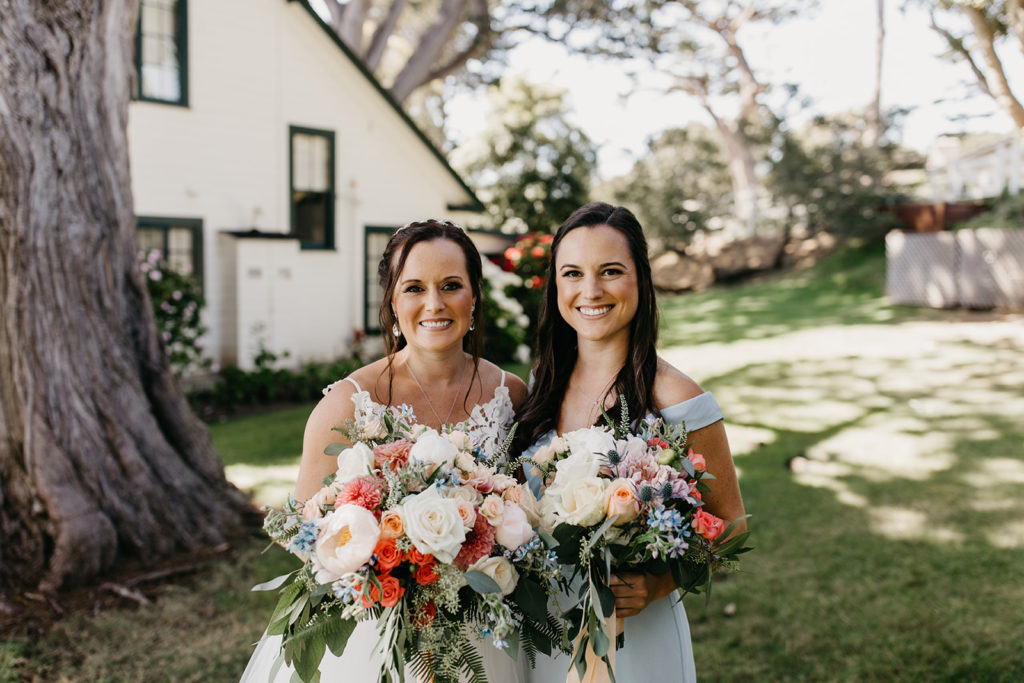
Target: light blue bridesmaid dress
(657,644)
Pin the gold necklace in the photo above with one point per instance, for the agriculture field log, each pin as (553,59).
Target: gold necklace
(440,422)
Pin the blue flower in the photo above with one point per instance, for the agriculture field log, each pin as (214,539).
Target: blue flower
(303,541)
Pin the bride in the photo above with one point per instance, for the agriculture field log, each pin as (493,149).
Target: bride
(596,342)
(431,315)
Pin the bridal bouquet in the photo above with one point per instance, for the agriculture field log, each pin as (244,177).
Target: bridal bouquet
(617,501)
(427,538)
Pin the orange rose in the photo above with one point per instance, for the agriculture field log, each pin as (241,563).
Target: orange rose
(425,574)
(699,463)
(391,590)
(707,525)
(388,555)
(371,594)
(391,525)
(416,557)
(620,499)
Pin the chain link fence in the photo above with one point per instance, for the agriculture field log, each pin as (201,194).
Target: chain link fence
(980,268)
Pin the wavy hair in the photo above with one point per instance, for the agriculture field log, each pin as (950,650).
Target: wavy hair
(396,253)
(556,349)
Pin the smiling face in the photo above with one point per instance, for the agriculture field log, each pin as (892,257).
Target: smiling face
(597,283)
(433,299)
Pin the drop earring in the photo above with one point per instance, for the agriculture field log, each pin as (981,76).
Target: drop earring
(395,331)
(472,318)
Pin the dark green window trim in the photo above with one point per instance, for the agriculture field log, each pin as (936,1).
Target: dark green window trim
(166,223)
(371,287)
(181,47)
(328,242)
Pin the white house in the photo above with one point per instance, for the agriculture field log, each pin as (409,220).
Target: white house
(268,161)
(975,167)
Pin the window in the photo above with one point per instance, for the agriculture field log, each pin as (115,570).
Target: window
(180,241)
(161,51)
(376,239)
(312,186)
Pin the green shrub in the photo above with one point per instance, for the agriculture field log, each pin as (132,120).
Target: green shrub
(177,305)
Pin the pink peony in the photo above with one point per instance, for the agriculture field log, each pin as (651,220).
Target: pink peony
(699,463)
(362,491)
(393,455)
(478,545)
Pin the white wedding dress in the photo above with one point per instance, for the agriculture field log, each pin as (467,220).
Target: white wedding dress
(657,646)
(487,426)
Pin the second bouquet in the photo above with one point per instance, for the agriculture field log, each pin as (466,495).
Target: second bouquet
(430,540)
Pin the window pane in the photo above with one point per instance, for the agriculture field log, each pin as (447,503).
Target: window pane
(376,240)
(310,162)
(149,239)
(179,248)
(311,217)
(160,63)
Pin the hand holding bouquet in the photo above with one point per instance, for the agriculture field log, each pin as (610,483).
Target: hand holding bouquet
(423,536)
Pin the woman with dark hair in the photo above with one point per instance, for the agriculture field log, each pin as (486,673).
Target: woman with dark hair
(596,345)
(433,331)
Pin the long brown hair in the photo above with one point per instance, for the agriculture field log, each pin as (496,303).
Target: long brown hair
(557,343)
(390,267)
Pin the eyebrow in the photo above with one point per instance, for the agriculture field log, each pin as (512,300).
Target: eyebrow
(603,265)
(444,279)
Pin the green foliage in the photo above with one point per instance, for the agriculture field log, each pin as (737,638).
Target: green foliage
(177,302)
(1004,212)
(528,258)
(531,166)
(828,180)
(266,384)
(507,321)
(680,187)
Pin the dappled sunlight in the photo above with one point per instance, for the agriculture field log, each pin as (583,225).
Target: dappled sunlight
(744,440)
(1009,535)
(905,524)
(996,471)
(827,475)
(881,454)
(268,485)
(799,417)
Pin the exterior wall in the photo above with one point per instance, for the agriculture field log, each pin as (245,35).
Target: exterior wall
(257,67)
(957,174)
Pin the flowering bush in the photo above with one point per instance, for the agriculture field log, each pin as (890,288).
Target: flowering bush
(177,305)
(617,501)
(423,534)
(528,258)
(507,322)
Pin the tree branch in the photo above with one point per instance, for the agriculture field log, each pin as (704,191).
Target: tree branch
(957,46)
(1000,87)
(416,71)
(384,29)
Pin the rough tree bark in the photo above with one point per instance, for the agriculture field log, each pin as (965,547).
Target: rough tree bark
(995,76)
(100,455)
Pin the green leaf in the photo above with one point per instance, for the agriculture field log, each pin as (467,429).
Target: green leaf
(603,597)
(307,660)
(337,638)
(335,449)
(548,539)
(599,640)
(288,596)
(273,584)
(481,583)
(532,599)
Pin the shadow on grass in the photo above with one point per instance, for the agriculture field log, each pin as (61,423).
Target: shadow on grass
(888,522)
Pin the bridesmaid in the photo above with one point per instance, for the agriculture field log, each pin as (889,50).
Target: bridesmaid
(596,342)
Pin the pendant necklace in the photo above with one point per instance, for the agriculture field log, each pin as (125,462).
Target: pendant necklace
(440,422)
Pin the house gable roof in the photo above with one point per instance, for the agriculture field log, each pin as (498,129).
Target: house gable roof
(475,203)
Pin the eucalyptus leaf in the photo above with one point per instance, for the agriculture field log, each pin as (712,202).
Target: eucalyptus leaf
(549,540)
(335,449)
(273,584)
(481,583)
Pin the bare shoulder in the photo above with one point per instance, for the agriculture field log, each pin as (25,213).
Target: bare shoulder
(336,406)
(490,379)
(672,386)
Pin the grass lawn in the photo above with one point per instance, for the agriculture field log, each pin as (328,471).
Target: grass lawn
(881,453)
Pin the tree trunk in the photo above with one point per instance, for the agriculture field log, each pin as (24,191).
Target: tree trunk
(994,74)
(742,170)
(873,134)
(100,455)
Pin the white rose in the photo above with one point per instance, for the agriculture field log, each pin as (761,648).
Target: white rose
(499,569)
(466,493)
(583,503)
(459,439)
(590,440)
(434,449)
(354,462)
(464,461)
(515,529)
(492,509)
(433,524)
(559,444)
(544,454)
(374,430)
(575,468)
(345,540)
(530,505)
